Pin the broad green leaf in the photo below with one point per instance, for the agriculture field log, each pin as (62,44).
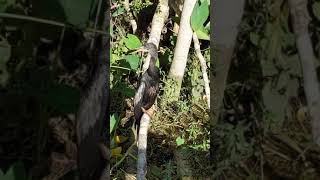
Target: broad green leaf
(203,34)
(254,38)
(76,11)
(316,9)
(133,60)
(132,41)
(199,15)
(179,141)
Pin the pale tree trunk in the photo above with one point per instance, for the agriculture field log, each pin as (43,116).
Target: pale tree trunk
(301,19)
(226,18)
(180,53)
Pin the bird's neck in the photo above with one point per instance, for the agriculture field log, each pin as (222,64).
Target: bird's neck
(152,70)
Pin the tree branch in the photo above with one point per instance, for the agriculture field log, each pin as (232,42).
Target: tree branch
(203,67)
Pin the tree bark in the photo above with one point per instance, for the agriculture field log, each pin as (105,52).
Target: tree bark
(301,19)
(181,52)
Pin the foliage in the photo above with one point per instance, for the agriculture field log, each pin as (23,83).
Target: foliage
(200,15)
(36,81)
(126,70)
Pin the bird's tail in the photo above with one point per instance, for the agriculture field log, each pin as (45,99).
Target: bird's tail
(137,115)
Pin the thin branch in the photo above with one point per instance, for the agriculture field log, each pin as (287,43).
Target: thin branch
(203,67)
(132,20)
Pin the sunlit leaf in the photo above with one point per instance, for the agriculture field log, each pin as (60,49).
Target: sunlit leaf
(116,151)
(114,119)
(120,139)
(180,141)
(203,34)
(132,41)
(199,15)
(118,12)
(133,60)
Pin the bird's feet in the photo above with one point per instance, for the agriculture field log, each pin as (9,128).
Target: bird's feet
(150,111)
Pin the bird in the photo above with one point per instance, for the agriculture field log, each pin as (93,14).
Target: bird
(93,112)
(148,89)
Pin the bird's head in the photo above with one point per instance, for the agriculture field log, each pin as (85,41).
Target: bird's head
(150,48)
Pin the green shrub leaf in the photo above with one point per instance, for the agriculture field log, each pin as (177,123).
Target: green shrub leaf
(132,41)
(199,15)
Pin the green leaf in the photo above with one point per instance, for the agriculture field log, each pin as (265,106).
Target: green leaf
(4,4)
(316,9)
(114,119)
(133,60)
(16,172)
(176,19)
(180,141)
(63,98)
(199,15)
(203,34)
(124,89)
(132,41)
(76,11)
(118,12)
(254,38)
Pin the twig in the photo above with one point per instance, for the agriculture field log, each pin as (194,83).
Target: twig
(132,21)
(96,23)
(301,19)
(46,21)
(203,67)
(124,156)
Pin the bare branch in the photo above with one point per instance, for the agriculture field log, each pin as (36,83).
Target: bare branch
(203,67)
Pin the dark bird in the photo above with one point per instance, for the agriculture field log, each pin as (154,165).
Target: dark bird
(93,113)
(149,84)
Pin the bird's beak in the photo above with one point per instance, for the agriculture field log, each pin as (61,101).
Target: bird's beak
(140,49)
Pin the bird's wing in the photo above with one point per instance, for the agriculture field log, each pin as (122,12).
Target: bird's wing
(139,94)
(150,97)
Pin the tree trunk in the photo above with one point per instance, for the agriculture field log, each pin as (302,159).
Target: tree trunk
(301,19)
(181,52)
